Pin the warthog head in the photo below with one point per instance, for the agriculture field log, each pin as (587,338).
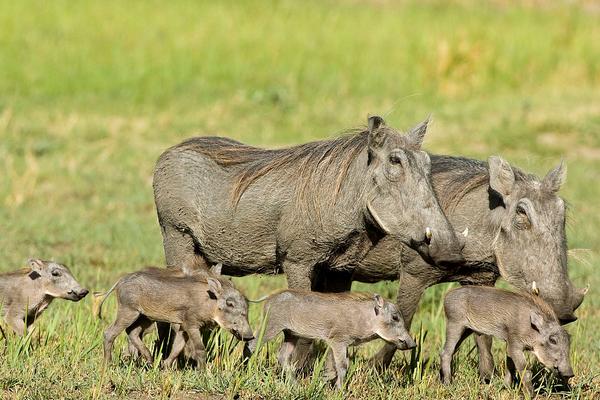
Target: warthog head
(231,312)
(551,345)
(531,245)
(56,280)
(389,325)
(401,200)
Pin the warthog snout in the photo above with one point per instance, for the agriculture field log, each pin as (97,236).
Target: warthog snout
(407,344)
(437,248)
(77,294)
(247,336)
(566,373)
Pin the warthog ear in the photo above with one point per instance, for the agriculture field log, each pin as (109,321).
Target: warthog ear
(555,178)
(417,134)
(214,287)
(376,135)
(537,321)
(36,264)
(216,269)
(378,303)
(502,177)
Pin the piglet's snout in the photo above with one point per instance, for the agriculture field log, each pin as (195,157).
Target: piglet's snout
(78,293)
(566,373)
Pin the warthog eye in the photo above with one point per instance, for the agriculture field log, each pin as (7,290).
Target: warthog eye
(552,340)
(55,273)
(395,157)
(230,303)
(522,219)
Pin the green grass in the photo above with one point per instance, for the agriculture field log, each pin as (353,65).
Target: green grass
(92,92)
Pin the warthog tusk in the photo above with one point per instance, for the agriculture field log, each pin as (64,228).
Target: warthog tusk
(534,288)
(428,233)
(465,232)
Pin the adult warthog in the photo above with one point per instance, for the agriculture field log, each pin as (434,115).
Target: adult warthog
(516,230)
(297,210)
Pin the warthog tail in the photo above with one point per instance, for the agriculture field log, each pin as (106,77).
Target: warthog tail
(99,298)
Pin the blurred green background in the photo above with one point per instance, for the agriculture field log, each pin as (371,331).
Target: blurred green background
(91,92)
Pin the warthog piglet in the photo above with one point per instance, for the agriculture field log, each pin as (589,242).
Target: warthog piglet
(523,321)
(339,319)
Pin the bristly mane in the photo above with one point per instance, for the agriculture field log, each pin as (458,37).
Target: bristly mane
(462,175)
(310,160)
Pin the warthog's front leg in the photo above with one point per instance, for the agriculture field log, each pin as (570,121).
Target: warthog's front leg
(199,351)
(486,360)
(16,321)
(178,345)
(299,276)
(515,352)
(340,355)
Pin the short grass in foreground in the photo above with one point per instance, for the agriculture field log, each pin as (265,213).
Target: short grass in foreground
(92,92)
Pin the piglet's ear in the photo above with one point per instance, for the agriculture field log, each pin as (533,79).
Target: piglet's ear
(537,321)
(216,269)
(35,264)
(378,303)
(214,287)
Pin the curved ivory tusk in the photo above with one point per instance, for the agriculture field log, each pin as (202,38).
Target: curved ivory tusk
(465,232)
(428,233)
(534,288)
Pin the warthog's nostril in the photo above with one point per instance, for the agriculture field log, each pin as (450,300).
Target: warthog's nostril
(83,293)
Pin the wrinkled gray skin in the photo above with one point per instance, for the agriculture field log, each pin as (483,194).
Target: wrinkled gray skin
(26,293)
(189,304)
(386,190)
(339,319)
(522,321)
(516,230)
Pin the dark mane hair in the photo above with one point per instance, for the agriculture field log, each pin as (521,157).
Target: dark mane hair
(310,161)
(462,175)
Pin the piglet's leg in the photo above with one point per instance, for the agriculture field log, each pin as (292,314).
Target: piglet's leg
(509,375)
(486,360)
(178,345)
(284,357)
(515,352)
(340,356)
(198,347)
(135,339)
(16,323)
(455,334)
(125,317)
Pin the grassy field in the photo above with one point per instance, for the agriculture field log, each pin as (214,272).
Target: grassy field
(92,92)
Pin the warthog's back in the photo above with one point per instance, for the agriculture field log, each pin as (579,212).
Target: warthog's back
(164,298)
(494,311)
(317,315)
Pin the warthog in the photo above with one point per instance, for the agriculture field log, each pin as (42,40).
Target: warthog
(296,210)
(523,321)
(188,303)
(339,319)
(516,230)
(26,293)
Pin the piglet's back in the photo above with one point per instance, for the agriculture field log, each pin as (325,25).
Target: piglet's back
(155,293)
(493,311)
(314,314)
